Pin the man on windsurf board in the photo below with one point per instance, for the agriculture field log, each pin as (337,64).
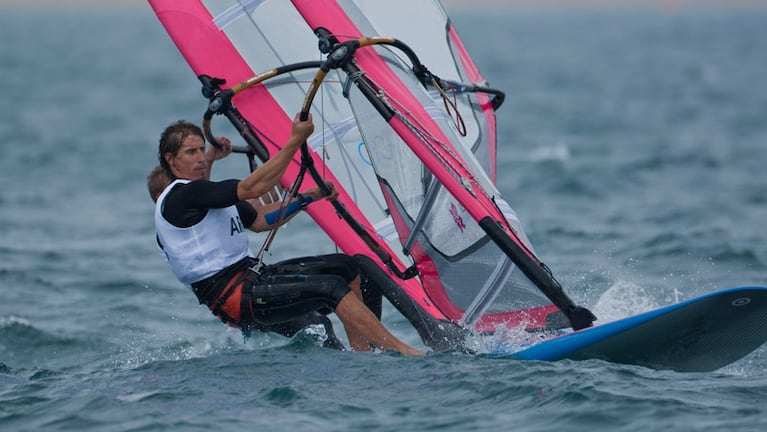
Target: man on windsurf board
(200,229)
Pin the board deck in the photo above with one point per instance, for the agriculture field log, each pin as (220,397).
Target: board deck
(698,335)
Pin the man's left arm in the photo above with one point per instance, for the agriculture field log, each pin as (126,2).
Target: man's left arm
(279,213)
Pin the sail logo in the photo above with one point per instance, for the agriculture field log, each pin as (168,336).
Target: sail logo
(456,217)
(235,226)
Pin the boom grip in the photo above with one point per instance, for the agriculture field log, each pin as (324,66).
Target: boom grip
(206,120)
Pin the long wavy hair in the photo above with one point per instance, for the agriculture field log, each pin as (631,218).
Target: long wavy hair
(172,138)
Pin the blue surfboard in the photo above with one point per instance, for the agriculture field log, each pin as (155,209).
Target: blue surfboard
(698,335)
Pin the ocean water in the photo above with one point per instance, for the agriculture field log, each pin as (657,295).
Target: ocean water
(633,147)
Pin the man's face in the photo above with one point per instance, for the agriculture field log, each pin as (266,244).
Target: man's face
(189,162)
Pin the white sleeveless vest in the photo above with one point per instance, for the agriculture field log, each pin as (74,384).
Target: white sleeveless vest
(200,251)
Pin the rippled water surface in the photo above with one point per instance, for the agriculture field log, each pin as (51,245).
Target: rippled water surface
(633,147)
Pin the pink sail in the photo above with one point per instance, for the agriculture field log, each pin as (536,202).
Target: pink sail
(413,154)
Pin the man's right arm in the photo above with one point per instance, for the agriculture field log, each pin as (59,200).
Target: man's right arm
(186,204)
(267,175)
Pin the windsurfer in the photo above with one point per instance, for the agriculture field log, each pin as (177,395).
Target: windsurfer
(200,227)
(158,180)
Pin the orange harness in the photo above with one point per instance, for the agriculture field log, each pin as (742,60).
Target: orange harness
(227,306)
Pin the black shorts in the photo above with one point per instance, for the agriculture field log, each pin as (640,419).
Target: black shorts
(271,299)
(318,268)
(278,293)
(286,297)
(332,264)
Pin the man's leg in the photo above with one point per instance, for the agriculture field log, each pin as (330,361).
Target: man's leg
(276,299)
(359,320)
(345,267)
(341,265)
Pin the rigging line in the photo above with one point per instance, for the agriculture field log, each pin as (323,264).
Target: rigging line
(421,131)
(417,127)
(325,155)
(427,138)
(294,188)
(260,133)
(460,125)
(287,196)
